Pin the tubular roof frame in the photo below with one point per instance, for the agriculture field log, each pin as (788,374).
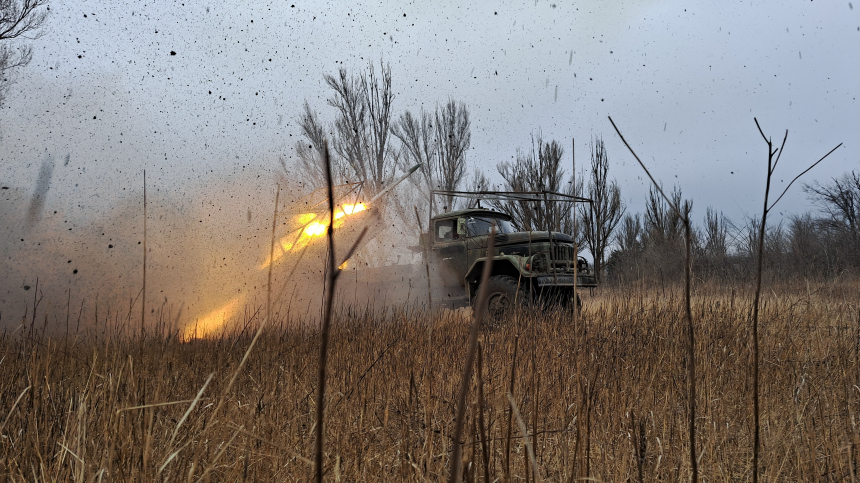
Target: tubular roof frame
(538,196)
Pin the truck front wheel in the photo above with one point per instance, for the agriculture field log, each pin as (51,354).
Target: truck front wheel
(503,296)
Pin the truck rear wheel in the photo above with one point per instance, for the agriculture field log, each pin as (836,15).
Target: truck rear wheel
(503,296)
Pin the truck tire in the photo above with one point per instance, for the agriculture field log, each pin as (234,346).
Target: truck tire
(502,297)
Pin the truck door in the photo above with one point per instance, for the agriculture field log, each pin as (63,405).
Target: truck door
(450,249)
(477,232)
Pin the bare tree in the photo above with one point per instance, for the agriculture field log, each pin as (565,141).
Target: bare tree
(663,225)
(378,97)
(713,251)
(539,170)
(359,134)
(774,246)
(716,243)
(629,236)
(805,251)
(453,136)
(417,137)
(19,19)
(625,261)
(839,201)
(607,207)
(802,246)
(439,142)
(310,150)
(684,214)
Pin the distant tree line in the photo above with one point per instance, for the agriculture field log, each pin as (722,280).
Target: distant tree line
(824,244)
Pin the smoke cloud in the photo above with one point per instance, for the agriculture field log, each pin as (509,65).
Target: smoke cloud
(206,263)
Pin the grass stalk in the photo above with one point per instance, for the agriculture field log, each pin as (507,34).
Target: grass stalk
(271,259)
(324,333)
(457,451)
(684,214)
(143,295)
(525,436)
(510,413)
(332,273)
(485,454)
(771,167)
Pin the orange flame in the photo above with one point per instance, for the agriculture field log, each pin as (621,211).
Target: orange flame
(349,210)
(314,226)
(212,322)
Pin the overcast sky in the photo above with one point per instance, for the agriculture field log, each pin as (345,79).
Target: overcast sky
(682,80)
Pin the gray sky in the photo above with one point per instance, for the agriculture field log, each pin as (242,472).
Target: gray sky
(682,79)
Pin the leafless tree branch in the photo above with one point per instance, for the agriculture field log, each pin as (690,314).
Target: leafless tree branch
(654,182)
(801,174)
(19,19)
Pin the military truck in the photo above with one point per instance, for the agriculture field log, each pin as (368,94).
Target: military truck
(529,267)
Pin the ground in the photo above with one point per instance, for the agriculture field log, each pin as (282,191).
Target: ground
(602,396)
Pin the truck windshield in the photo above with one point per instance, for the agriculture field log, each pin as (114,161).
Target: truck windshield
(479,225)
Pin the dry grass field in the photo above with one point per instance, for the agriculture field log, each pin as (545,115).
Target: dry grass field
(603,398)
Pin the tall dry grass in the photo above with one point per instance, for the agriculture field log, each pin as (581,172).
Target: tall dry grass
(607,400)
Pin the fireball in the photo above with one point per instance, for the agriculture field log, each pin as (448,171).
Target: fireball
(311,226)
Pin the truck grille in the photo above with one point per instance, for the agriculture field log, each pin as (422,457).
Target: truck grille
(562,260)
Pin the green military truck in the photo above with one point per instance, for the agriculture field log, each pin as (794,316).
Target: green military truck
(529,267)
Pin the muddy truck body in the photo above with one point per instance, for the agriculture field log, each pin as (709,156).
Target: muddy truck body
(528,267)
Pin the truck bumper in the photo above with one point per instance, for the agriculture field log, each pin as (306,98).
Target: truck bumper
(565,281)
